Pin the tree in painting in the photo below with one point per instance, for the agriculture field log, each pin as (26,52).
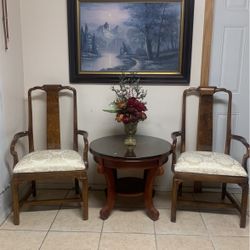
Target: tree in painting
(130,36)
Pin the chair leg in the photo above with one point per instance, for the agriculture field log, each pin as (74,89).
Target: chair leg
(15,202)
(85,197)
(175,188)
(244,198)
(33,186)
(77,188)
(224,190)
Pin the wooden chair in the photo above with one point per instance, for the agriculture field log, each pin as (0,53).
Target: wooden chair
(204,165)
(53,163)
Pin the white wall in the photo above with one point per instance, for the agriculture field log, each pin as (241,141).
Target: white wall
(11,99)
(45,57)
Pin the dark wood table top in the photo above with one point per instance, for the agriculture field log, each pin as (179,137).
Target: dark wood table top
(146,147)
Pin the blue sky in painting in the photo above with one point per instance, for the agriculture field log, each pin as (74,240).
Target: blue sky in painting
(96,14)
(99,13)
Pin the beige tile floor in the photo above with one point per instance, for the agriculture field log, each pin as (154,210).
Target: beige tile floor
(128,227)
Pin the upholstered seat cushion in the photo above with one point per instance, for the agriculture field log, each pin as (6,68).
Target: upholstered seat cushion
(204,162)
(49,161)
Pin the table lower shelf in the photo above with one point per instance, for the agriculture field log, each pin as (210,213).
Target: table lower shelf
(130,186)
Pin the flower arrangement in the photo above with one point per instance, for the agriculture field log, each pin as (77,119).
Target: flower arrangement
(129,105)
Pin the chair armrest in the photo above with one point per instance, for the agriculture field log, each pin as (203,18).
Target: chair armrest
(13,152)
(247,146)
(241,139)
(174,136)
(86,146)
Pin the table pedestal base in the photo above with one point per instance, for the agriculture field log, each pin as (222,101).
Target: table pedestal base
(129,186)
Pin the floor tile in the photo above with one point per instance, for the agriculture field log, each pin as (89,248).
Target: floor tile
(71,220)
(129,222)
(50,194)
(231,243)
(187,223)
(128,226)
(238,198)
(21,240)
(115,241)
(209,196)
(162,199)
(224,224)
(181,242)
(122,202)
(214,197)
(46,194)
(97,198)
(32,220)
(71,241)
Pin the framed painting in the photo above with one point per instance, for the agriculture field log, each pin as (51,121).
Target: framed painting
(150,38)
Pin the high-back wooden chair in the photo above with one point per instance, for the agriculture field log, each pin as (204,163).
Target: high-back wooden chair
(53,162)
(205,165)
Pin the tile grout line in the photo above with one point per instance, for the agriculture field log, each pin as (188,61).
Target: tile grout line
(24,230)
(99,242)
(60,207)
(203,220)
(5,219)
(129,233)
(209,235)
(156,246)
(49,229)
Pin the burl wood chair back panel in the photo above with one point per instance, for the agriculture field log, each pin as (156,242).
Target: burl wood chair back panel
(205,117)
(52,115)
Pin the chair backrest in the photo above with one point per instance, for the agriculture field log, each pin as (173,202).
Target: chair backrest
(52,115)
(205,117)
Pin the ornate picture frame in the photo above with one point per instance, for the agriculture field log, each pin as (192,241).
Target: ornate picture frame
(151,38)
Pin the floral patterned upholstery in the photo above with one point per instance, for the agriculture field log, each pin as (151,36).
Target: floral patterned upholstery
(49,161)
(204,162)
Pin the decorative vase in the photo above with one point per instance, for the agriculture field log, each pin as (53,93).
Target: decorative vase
(130,131)
(130,151)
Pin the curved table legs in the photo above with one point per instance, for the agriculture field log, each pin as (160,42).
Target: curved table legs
(110,177)
(152,212)
(110,200)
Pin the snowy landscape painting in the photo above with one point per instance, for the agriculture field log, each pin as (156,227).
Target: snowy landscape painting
(130,36)
(152,38)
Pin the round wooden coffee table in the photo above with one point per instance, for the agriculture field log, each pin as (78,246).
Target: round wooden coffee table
(149,155)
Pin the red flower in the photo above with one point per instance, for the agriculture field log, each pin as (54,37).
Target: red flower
(134,103)
(128,105)
(131,110)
